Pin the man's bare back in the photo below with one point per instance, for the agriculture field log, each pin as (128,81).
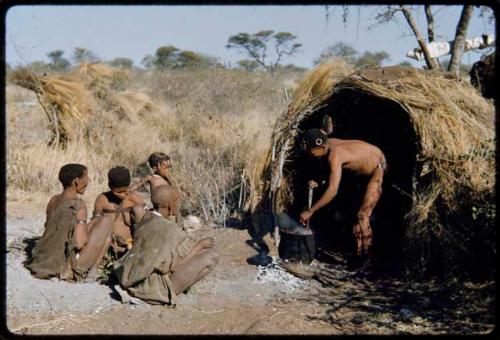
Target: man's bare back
(356,156)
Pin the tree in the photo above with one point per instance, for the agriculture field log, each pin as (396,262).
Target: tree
(338,50)
(458,42)
(122,62)
(405,63)
(82,55)
(57,62)
(165,57)
(38,67)
(148,61)
(372,59)
(290,68)
(257,46)
(248,65)
(190,59)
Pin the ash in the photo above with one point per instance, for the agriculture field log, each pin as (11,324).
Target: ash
(275,275)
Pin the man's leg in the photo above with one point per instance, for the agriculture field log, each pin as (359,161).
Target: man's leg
(200,246)
(99,241)
(193,269)
(362,230)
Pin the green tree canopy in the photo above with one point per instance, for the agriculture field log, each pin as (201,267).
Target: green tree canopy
(165,57)
(338,50)
(257,47)
(57,61)
(82,55)
(248,65)
(369,59)
(122,62)
(168,57)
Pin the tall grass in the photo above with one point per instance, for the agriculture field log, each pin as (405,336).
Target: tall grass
(213,124)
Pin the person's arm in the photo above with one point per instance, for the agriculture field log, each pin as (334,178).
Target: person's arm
(140,183)
(330,193)
(100,203)
(80,233)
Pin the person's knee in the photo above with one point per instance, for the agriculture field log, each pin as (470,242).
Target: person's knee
(208,242)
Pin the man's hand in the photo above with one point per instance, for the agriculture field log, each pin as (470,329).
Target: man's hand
(305,216)
(312,184)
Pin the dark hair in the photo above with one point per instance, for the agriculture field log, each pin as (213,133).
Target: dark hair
(314,137)
(69,172)
(156,158)
(119,176)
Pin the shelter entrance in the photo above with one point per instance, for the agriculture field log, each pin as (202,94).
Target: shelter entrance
(381,122)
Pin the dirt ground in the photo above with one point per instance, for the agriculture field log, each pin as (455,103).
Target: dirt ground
(238,298)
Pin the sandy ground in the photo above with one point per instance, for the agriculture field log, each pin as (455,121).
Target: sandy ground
(238,298)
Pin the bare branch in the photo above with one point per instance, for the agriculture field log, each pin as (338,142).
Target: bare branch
(423,46)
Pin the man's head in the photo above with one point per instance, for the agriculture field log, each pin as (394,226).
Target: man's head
(164,199)
(118,181)
(75,175)
(160,163)
(314,142)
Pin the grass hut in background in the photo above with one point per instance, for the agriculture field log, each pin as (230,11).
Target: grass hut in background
(436,211)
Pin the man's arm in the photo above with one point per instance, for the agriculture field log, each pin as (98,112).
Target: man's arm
(331,191)
(140,183)
(80,233)
(333,186)
(99,204)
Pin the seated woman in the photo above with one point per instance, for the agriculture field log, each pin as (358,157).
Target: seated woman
(165,260)
(117,203)
(161,164)
(70,248)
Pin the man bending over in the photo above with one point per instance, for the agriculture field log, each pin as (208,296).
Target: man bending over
(352,155)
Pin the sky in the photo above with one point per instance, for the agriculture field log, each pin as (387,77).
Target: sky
(135,31)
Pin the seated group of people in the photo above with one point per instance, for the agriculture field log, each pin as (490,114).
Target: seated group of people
(159,259)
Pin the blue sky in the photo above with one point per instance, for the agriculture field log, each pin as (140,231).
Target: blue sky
(134,31)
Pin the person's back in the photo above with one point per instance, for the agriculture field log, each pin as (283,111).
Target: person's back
(357,156)
(164,260)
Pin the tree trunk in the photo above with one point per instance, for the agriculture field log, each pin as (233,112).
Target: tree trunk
(431,35)
(423,46)
(430,23)
(457,51)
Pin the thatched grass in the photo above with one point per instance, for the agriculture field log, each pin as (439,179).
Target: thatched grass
(453,125)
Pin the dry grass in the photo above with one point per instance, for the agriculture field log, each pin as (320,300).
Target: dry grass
(213,123)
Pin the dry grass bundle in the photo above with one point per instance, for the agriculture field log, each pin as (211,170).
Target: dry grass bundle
(454,158)
(66,103)
(99,76)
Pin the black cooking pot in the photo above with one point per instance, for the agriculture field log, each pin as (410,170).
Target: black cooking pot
(295,247)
